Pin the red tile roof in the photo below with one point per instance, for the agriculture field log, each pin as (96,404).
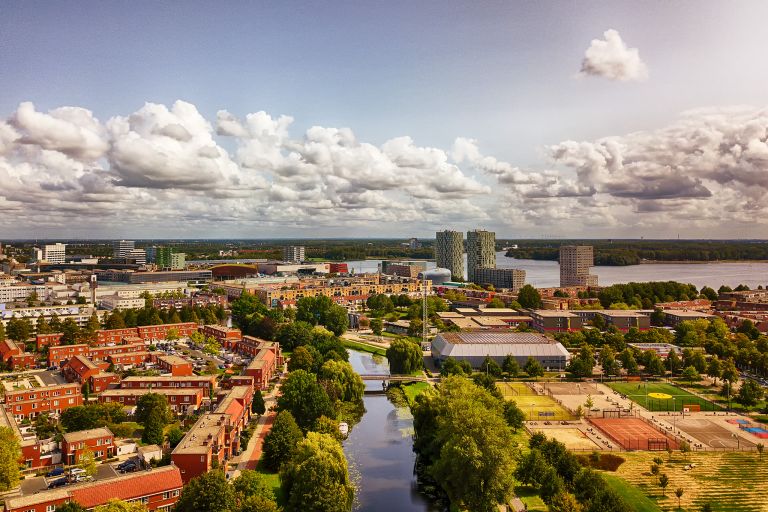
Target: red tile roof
(129,487)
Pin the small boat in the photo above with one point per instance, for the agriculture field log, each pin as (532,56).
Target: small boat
(344,429)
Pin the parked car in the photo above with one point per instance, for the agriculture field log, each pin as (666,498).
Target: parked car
(128,466)
(59,482)
(55,472)
(83,478)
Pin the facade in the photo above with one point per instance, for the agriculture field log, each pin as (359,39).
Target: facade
(158,490)
(53,253)
(545,320)
(121,248)
(181,401)
(133,277)
(623,320)
(112,302)
(228,337)
(262,368)
(475,347)
(294,253)
(449,252)
(101,441)
(48,340)
(501,278)
(672,317)
(28,403)
(481,252)
(159,256)
(175,365)
(178,261)
(137,255)
(58,355)
(575,262)
(160,332)
(409,269)
(205,382)
(21,291)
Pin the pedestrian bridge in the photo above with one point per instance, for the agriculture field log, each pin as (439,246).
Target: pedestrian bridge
(395,378)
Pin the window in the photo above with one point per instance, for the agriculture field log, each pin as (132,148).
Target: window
(176,494)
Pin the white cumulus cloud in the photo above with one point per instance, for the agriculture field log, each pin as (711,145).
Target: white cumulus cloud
(611,58)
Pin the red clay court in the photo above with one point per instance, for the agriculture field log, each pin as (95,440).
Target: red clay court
(634,434)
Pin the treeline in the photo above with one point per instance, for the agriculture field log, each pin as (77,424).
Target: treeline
(623,252)
(645,295)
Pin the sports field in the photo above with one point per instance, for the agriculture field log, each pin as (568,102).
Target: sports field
(634,434)
(572,388)
(535,407)
(659,396)
(572,438)
(712,434)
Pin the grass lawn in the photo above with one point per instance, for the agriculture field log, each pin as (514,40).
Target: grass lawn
(415,389)
(713,393)
(273,480)
(636,391)
(364,347)
(631,494)
(532,500)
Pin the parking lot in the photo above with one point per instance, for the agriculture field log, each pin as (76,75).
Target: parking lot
(31,485)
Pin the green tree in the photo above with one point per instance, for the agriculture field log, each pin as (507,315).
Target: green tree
(294,334)
(565,502)
(304,398)
(529,297)
(534,368)
(208,492)
(258,504)
(44,426)
(257,405)
(491,367)
(175,435)
(70,506)
(10,454)
(673,362)
(750,393)
(655,366)
(115,320)
(301,359)
(87,461)
(42,326)
(453,367)
(690,374)
(495,303)
(663,483)
(510,366)
(513,415)
(281,441)
(608,361)
(151,404)
(115,505)
(679,494)
(19,329)
(377,326)
(2,331)
(317,477)
(153,429)
(252,483)
(70,332)
(708,293)
(341,382)
(404,357)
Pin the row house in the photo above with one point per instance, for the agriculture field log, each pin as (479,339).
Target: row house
(48,340)
(28,403)
(227,337)
(81,369)
(545,320)
(57,356)
(215,437)
(262,368)
(200,299)
(158,490)
(175,365)
(160,332)
(205,382)
(181,401)
(33,453)
(103,381)
(100,441)
(251,345)
(116,336)
(128,359)
(238,380)
(104,353)
(23,361)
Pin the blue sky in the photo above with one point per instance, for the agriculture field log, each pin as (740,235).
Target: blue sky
(504,74)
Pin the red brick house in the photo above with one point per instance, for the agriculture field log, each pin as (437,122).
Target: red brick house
(103,353)
(128,359)
(158,490)
(9,348)
(181,401)
(79,369)
(159,332)
(28,403)
(23,361)
(100,441)
(175,365)
(205,382)
(57,356)
(107,336)
(226,336)
(102,381)
(48,340)
(262,368)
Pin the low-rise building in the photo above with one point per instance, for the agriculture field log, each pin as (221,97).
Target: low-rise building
(228,337)
(544,320)
(181,401)
(57,356)
(160,332)
(48,340)
(100,441)
(672,317)
(175,365)
(205,382)
(476,346)
(262,368)
(28,403)
(501,278)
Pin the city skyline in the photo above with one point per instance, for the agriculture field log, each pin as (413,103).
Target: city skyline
(294,121)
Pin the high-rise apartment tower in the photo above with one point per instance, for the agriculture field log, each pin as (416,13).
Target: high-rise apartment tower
(481,252)
(294,253)
(575,262)
(449,252)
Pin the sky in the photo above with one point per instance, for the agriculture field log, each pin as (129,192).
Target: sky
(383,119)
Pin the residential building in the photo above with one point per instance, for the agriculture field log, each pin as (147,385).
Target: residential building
(22,291)
(294,253)
(475,347)
(205,382)
(575,263)
(249,346)
(449,252)
(623,320)
(137,255)
(114,336)
(133,277)
(160,332)
(481,252)
(128,360)
(58,355)
(178,261)
(180,400)
(52,253)
(112,302)
(672,317)
(121,248)
(501,278)
(159,256)
(28,403)
(228,337)
(48,340)
(545,320)
(262,368)
(100,441)
(158,490)
(175,365)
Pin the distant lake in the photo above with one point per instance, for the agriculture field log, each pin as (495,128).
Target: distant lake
(547,273)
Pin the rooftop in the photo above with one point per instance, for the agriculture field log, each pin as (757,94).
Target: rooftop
(202,435)
(83,435)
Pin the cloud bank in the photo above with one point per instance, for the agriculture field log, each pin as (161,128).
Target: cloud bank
(169,171)
(610,58)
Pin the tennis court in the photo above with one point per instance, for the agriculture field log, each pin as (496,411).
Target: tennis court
(514,389)
(634,434)
(711,434)
(659,396)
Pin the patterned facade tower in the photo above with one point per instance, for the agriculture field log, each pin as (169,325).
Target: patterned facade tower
(449,252)
(481,252)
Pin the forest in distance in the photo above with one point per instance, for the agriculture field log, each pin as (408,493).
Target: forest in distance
(610,252)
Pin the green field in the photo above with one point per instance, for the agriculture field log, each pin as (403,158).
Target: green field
(364,347)
(637,392)
(532,404)
(631,494)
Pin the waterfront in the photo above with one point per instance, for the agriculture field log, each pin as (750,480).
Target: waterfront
(542,273)
(379,449)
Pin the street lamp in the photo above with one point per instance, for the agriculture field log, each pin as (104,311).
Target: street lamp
(674,414)
(738,441)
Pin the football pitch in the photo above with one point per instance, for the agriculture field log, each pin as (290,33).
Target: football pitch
(659,396)
(535,407)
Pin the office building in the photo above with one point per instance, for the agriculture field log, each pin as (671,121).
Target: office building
(402,268)
(449,252)
(501,278)
(159,256)
(121,248)
(575,262)
(178,261)
(138,255)
(293,253)
(53,253)
(481,252)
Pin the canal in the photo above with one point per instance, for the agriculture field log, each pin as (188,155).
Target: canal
(379,449)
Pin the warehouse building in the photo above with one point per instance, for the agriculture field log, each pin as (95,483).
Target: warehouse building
(476,346)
